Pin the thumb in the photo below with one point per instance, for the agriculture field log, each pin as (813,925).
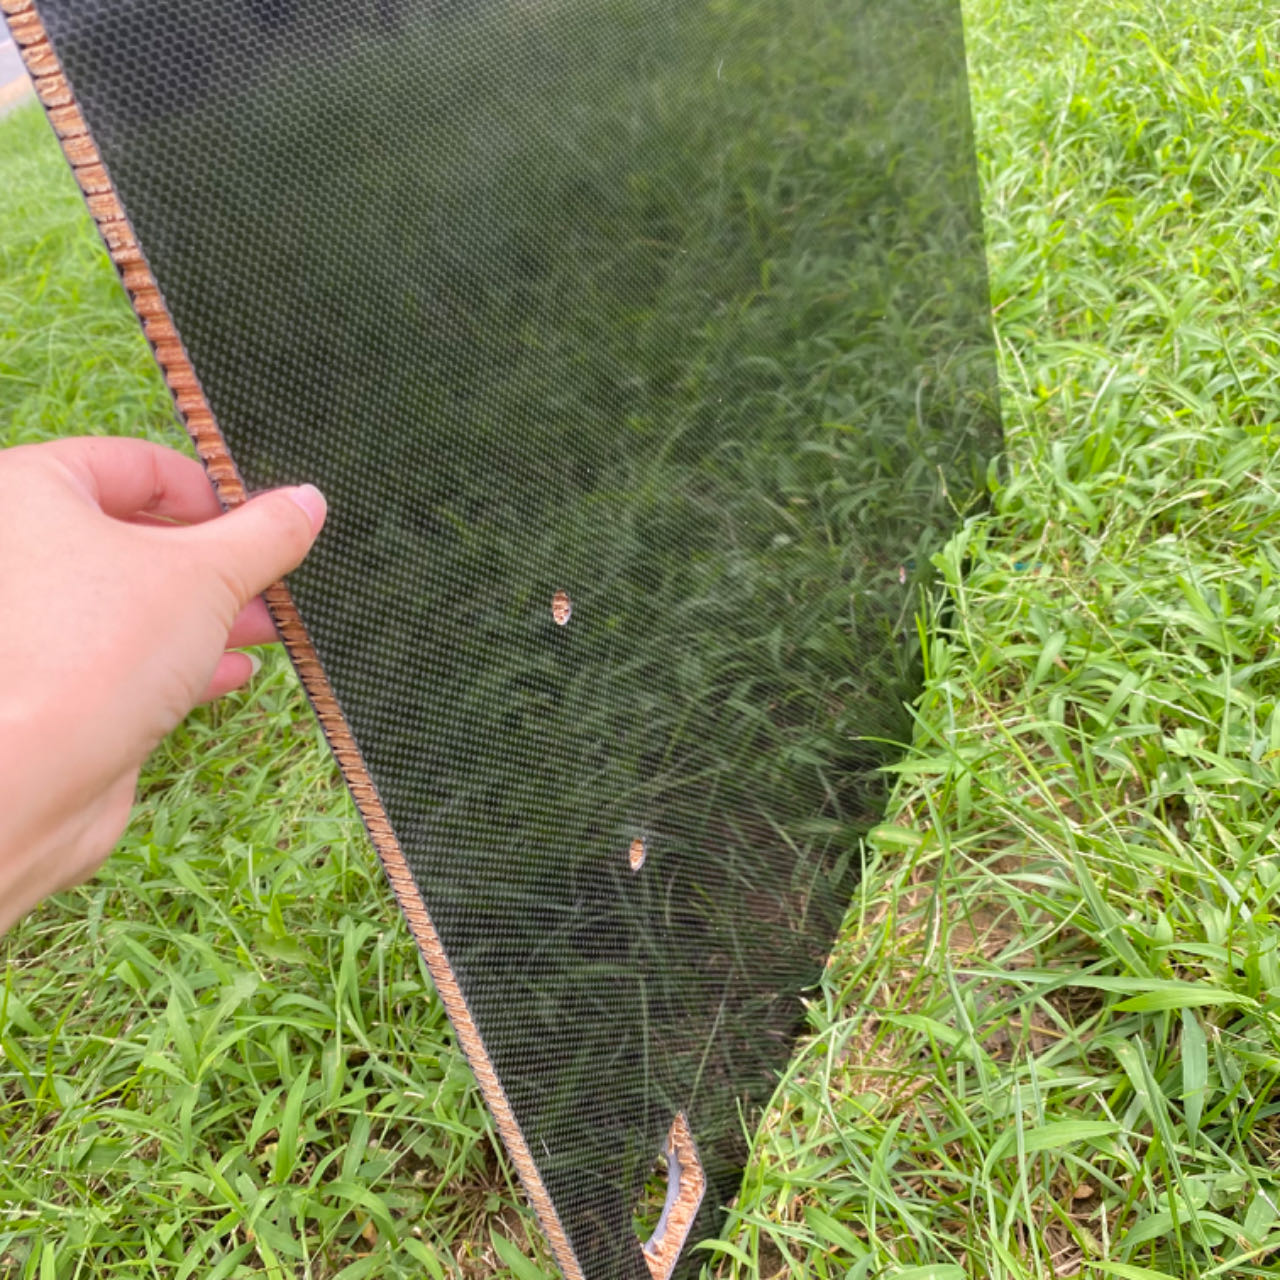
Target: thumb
(258,543)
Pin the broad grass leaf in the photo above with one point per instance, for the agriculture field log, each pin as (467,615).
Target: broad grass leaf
(890,836)
(1181,995)
(1127,1271)
(1066,1133)
(1161,1224)
(930,1027)
(1262,1216)
(727,1247)
(1195,1072)
(1048,656)
(514,1258)
(420,1253)
(832,1231)
(1055,1136)
(287,1141)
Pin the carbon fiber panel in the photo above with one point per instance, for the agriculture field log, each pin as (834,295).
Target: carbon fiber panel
(642,350)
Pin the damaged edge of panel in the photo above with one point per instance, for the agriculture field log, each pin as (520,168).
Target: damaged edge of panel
(104,205)
(686,1184)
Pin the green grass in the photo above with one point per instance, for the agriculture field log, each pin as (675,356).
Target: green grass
(1048,1043)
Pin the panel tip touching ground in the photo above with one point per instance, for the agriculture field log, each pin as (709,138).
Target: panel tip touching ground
(686,1184)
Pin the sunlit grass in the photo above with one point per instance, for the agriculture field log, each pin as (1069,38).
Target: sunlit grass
(1048,1042)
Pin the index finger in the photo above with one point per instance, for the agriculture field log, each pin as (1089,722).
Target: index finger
(129,478)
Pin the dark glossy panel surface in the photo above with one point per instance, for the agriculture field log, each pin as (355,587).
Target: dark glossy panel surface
(677,308)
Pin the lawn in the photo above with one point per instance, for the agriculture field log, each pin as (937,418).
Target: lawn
(1048,1042)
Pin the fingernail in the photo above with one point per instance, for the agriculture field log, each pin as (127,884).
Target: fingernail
(255,664)
(311,500)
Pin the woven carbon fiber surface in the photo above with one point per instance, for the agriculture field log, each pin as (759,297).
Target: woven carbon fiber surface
(641,348)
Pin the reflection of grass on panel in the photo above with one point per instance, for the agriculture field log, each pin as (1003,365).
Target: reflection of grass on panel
(742,539)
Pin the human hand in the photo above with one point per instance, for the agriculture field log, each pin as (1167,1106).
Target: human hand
(122,587)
